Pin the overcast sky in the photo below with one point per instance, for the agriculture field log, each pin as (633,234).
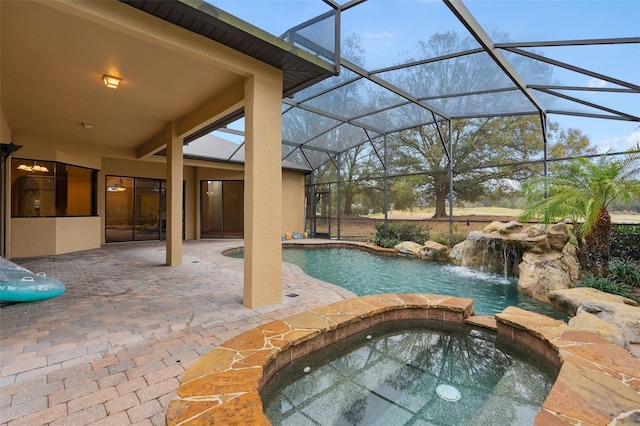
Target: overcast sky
(389,31)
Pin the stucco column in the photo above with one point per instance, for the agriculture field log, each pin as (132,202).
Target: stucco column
(263,191)
(174,196)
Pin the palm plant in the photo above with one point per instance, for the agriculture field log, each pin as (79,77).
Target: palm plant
(580,192)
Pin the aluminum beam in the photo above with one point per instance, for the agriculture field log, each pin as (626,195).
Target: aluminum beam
(592,105)
(574,68)
(476,30)
(582,42)
(361,71)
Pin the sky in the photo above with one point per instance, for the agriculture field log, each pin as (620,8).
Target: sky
(389,32)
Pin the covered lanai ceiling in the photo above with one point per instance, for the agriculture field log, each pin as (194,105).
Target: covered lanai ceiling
(411,63)
(54,54)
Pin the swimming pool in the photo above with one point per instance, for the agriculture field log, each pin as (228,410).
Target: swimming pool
(439,375)
(364,273)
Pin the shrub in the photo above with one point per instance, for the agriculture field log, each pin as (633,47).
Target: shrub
(625,271)
(398,232)
(624,241)
(457,236)
(607,285)
(386,242)
(623,279)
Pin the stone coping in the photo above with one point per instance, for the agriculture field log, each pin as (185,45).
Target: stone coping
(315,243)
(598,381)
(312,243)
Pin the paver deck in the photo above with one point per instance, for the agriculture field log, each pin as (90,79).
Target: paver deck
(113,347)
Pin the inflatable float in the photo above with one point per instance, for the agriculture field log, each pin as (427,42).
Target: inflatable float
(18,284)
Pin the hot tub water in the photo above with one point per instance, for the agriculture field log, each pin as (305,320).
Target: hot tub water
(436,375)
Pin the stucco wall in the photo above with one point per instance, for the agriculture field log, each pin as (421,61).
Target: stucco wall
(77,233)
(5,130)
(45,236)
(292,202)
(33,237)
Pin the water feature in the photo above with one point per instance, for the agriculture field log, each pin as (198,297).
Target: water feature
(492,255)
(401,374)
(366,273)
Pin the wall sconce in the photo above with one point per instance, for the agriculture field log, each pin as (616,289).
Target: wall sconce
(110,81)
(87,126)
(35,168)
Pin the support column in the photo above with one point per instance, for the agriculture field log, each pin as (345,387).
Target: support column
(174,196)
(450,149)
(338,201)
(543,124)
(263,190)
(386,190)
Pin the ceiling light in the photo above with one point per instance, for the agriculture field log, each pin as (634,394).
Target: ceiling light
(38,168)
(87,126)
(110,81)
(35,168)
(116,187)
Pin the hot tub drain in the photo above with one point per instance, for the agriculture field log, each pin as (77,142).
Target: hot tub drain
(448,392)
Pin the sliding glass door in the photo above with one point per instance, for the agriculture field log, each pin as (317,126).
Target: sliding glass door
(149,222)
(135,209)
(119,209)
(222,209)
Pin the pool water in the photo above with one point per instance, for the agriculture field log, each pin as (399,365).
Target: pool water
(363,273)
(397,377)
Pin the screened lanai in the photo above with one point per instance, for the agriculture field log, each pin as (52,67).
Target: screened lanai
(459,100)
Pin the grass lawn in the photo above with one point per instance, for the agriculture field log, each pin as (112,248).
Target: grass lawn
(464,220)
(485,211)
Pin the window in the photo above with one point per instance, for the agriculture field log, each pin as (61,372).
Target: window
(52,189)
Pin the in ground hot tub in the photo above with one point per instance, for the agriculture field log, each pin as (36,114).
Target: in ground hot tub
(412,373)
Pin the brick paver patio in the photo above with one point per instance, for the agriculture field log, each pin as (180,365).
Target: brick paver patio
(112,349)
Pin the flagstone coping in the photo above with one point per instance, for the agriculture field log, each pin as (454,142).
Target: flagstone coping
(598,382)
(312,243)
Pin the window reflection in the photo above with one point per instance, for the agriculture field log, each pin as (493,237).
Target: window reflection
(222,209)
(397,376)
(47,188)
(135,209)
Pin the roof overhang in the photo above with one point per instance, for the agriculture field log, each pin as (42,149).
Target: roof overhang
(300,68)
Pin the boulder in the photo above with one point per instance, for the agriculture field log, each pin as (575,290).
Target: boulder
(489,253)
(456,255)
(593,324)
(534,244)
(539,256)
(558,236)
(408,248)
(434,251)
(568,300)
(624,317)
(543,273)
(503,228)
(492,227)
(532,231)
